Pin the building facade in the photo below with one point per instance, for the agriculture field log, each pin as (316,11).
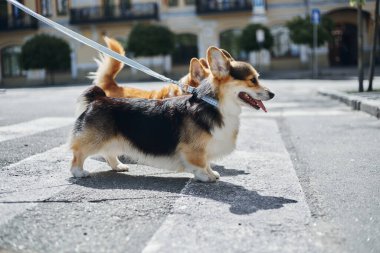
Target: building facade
(197,24)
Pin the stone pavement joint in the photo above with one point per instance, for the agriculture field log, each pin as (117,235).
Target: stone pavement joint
(357,101)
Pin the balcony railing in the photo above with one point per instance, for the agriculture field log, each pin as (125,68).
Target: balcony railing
(18,23)
(138,11)
(223,6)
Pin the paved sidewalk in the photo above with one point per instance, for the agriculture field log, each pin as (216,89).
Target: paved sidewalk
(368,102)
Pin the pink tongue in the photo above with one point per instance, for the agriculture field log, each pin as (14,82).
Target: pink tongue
(261,105)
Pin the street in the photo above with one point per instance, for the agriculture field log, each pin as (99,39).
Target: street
(305,177)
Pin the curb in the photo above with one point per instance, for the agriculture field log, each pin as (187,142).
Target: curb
(371,107)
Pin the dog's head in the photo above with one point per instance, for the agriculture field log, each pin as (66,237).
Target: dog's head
(234,80)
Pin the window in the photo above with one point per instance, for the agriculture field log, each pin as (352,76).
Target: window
(189,2)
(45,8)
(62,7)
(172,3)
(10,61)
(125,4)
(16,12)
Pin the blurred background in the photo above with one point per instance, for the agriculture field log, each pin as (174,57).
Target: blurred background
(276,36)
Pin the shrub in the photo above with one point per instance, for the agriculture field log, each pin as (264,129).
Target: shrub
(46,52)
(248,40)
(151,40)
(301,30)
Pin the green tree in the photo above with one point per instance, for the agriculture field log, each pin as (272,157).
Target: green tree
(301,30)
(248,40)
(151,40)
(46,52)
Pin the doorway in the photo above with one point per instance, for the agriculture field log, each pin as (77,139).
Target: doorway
(11,61)
(343,47)
(185,49)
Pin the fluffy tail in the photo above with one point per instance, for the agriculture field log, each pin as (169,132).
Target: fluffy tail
(91,94)
(107,70)
(108,67)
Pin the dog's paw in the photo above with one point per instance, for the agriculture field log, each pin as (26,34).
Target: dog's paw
(77,172)
(203,177)
(121,167)
(216,174)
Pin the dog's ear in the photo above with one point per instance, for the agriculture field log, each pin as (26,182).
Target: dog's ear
(204,63)
(197,72)
(218,62)
(227,54)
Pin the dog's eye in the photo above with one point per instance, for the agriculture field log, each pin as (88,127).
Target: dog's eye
(254,80)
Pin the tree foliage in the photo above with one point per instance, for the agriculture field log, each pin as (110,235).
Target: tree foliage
(151,40)
(46,52)
(248,40)
(356,2)
(301,30)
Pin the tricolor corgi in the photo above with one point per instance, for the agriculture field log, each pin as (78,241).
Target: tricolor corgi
(182,133)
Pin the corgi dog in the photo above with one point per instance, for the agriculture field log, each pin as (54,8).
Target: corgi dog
(108,68)
(182,133)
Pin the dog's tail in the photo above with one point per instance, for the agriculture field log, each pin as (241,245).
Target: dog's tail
(91,94)
(108,67)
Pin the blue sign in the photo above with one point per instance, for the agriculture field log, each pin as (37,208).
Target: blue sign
(315,16)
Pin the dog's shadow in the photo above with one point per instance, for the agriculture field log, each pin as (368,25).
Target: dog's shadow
(240,199)
(219,168)
(227,172)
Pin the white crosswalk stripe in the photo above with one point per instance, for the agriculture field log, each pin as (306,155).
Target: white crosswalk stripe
(33,127)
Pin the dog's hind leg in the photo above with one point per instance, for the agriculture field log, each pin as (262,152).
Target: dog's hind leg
(115,164)
(82,149)
(77,165)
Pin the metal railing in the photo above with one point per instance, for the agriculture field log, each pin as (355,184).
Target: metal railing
(18,23)
(222,6)
(138,11)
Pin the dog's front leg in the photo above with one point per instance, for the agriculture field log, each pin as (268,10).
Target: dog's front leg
(196,163)
(115,164)
(215,173)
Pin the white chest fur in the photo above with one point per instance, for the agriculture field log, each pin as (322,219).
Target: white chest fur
(223,140)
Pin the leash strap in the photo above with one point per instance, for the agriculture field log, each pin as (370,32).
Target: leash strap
(108,51)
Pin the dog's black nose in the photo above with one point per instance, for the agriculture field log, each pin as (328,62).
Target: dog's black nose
(271,94)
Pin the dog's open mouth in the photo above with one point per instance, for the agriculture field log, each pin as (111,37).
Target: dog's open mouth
(257,104)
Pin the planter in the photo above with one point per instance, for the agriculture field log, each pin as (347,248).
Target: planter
(36,74)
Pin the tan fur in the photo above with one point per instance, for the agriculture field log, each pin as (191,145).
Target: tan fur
(193,147)
(108,68)
(204,63)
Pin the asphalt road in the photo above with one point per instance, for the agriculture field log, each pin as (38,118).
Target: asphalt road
(304,178)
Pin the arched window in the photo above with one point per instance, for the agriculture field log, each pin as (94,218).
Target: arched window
(10,61)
